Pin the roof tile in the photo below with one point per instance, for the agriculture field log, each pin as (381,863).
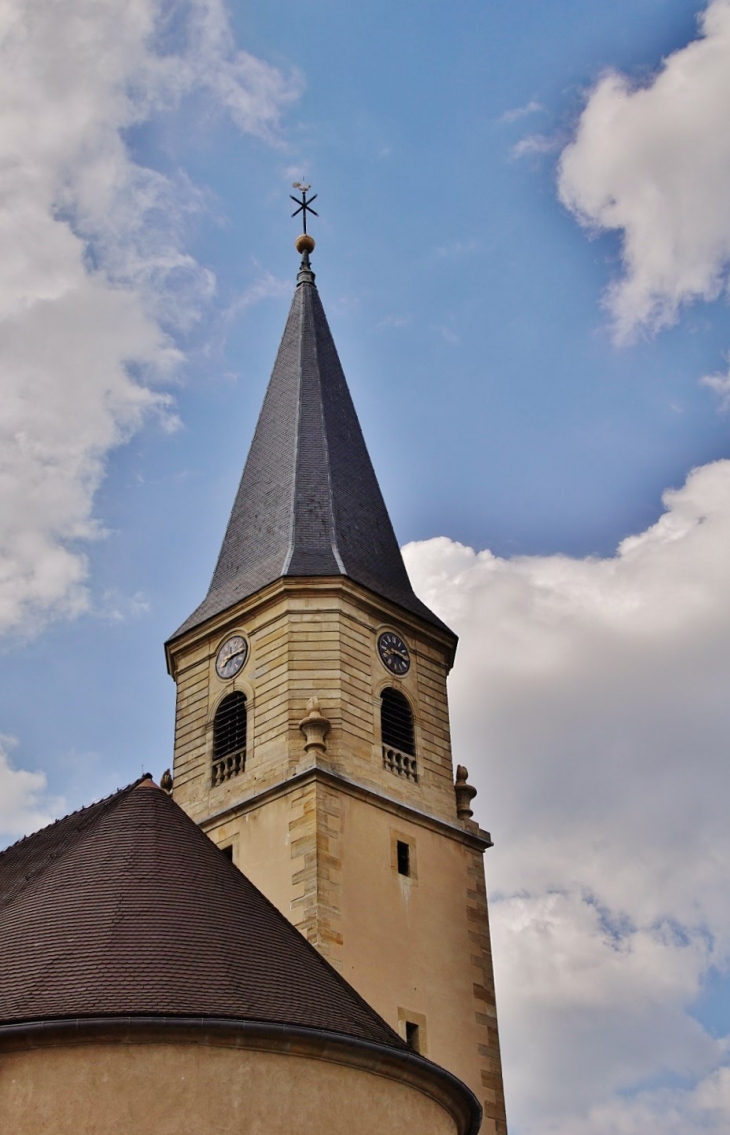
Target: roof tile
(128,908)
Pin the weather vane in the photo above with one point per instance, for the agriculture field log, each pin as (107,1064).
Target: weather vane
(305,206)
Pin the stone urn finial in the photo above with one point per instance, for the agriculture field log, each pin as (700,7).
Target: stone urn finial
(465,793)
(315,727)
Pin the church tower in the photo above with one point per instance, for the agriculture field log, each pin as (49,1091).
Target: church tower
(312,735)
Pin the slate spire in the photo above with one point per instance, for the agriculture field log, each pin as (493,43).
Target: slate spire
(309,503)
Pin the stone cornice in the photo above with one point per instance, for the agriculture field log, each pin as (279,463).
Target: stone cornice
(309,588)
(477,839)
(401,1065)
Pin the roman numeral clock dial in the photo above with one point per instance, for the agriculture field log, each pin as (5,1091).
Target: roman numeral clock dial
(231,656)
(394,653)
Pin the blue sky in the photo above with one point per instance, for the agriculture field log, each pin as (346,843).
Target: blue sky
(465,302)
(468,285)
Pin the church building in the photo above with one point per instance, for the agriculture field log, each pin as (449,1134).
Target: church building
(336,974)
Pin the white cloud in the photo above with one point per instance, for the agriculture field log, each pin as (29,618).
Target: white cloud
(457,249)
(448,335)
(394,321)
(266,286)
(95,281)
(590,702)
(297,173)
(667,1111)
(719,384)
(118,608)
(25,804)
(536,144)
(652,162)
(517,112)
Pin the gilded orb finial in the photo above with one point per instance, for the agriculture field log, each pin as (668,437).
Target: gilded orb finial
(304,244)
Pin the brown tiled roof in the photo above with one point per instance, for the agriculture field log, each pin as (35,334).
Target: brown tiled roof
(127,908)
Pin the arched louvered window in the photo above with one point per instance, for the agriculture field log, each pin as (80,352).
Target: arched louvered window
(229,738)
(397,734)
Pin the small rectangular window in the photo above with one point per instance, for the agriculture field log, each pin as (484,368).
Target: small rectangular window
(412,1036)
(413,1028)
(404,856)
(403,852)
(228,851)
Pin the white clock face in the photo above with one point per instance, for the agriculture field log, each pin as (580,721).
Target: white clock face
(231,656)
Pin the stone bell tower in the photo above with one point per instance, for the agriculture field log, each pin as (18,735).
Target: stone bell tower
(312,735)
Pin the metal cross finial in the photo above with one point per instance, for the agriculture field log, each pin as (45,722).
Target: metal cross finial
(305,206)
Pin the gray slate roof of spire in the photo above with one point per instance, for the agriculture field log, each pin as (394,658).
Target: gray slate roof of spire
(309,503)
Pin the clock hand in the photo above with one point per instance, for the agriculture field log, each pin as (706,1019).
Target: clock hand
(226,658)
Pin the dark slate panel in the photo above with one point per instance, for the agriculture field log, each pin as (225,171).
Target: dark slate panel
(314,538)
(256,545)
(366,541)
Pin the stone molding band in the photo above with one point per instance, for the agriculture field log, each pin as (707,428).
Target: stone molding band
(478,840)
(318,1044)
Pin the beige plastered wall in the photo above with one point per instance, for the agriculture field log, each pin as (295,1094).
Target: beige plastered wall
(175,1089)
(415,948)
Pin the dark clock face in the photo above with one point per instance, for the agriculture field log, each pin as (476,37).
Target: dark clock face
(231,656)
(394,653)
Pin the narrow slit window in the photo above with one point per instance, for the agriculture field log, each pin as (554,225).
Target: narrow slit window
(403,854)
(413,1039)
(229,738)
(228,851)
